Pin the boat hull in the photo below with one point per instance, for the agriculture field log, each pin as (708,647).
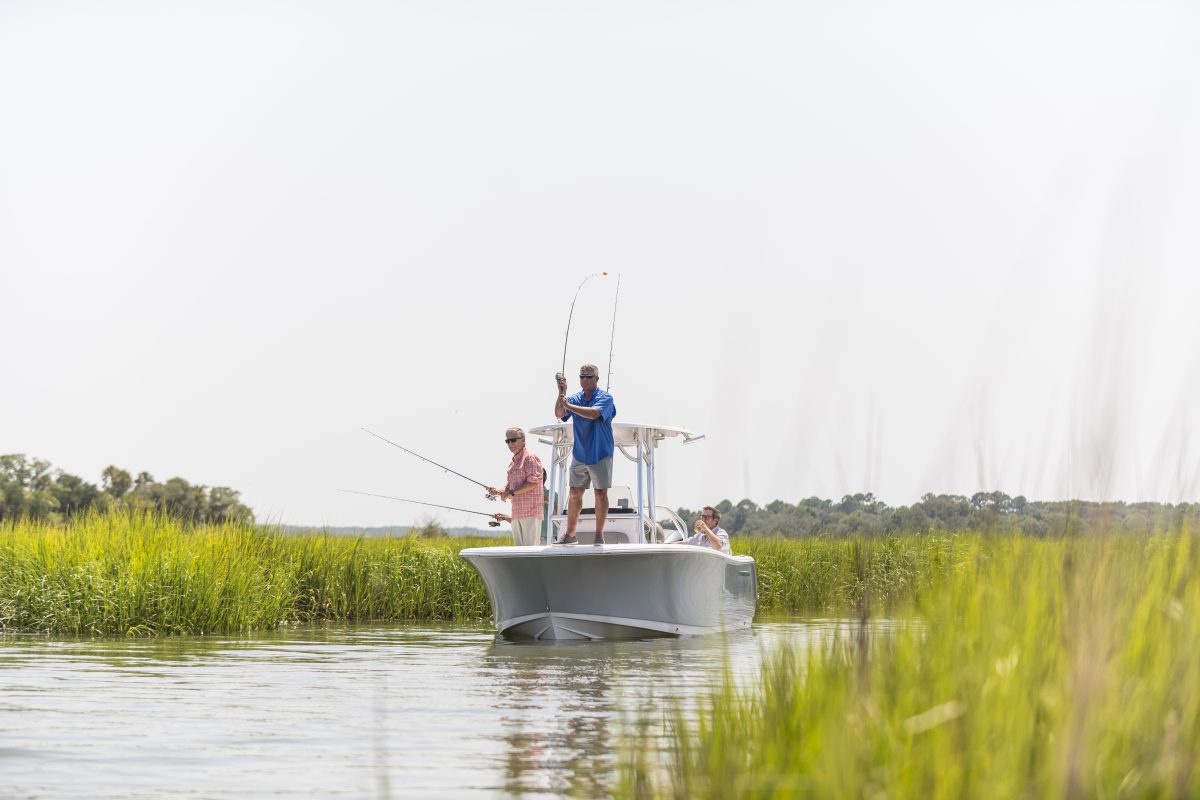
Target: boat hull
(615,591)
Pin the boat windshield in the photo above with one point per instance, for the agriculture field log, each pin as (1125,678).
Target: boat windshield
(620,501)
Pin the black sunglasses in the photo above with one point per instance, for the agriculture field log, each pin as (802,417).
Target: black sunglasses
(510,441)
(584,377)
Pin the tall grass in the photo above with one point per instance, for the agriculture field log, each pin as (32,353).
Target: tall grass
(1031,668)
(848,575)
(146,574)
(135,573)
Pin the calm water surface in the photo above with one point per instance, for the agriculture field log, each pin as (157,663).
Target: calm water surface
(347,711)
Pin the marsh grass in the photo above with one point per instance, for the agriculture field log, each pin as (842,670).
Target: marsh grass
(804,576)
(1030,668)
(147,575)
(144,574)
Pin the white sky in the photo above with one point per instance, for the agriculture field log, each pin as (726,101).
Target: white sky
(864,246)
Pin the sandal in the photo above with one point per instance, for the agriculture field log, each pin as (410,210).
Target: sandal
(568,540)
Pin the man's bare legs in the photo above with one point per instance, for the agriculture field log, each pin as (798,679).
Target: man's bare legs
(601,511)
(574,506)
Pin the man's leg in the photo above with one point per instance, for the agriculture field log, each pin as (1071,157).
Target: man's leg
(525,531)
(574,506)
(601,475)
(601,511)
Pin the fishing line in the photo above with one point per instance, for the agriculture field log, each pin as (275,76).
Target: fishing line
(493,523)
(490,496)
(613,336)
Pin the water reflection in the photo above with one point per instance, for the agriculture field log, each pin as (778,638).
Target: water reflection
(556,706)
(347,712)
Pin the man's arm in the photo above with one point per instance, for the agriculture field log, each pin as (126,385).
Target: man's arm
(532,482)
(583,411)
(712,537)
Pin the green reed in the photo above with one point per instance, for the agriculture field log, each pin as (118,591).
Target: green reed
(842,575)
(1029,668)
(143,574)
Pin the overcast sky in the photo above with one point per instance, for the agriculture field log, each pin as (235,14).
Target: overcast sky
(863,246)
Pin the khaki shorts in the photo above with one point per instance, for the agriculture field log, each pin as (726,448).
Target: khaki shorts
(584,475)
(526,531)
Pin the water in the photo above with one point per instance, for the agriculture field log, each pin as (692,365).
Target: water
(345,711)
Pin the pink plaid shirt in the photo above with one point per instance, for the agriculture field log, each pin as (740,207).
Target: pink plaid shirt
(526,468)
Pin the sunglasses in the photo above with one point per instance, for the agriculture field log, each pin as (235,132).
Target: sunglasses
(586,377)
(510,441)
(707,516)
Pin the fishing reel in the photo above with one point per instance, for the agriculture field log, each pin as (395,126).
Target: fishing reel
(491,496)
(493,524)
(561,381)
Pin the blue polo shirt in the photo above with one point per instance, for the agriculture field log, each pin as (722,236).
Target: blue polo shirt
(593,437)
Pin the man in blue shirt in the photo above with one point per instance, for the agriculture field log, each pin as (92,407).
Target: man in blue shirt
(591,412)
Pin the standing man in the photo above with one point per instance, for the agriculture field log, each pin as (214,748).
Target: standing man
(524,488)
(591,411)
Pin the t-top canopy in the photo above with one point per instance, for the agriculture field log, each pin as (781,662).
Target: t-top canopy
(624,433)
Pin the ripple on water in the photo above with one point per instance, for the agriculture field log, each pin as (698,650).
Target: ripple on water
(345,711)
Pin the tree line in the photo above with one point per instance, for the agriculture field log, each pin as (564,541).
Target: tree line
(865,515)
(31,488)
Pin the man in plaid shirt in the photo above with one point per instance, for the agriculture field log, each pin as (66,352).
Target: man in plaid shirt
(524,488)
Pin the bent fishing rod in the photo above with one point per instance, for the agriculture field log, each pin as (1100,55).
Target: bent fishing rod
(561,377)
(493,524)
(490,496)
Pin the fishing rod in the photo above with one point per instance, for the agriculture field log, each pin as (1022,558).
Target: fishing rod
(490,496)
(561,377)
(613,336)
(493,524)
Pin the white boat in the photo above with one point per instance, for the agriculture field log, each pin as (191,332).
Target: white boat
(635,585)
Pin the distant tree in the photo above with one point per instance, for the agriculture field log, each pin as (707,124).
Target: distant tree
(29,474)
(116,482)
(182,500)
(24,487)
(39,504)
(429,528)
(224,506)
(72,495)
(29,489)
(734,521)
(12,501)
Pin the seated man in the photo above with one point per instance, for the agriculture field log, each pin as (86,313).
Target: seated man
(709,533)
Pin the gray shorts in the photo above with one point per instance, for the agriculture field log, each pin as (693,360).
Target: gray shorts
(584,475)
